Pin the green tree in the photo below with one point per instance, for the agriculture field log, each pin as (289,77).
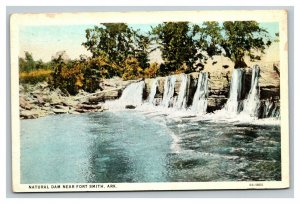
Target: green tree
(175,41)
(56,79)
(118,42)
(244,38)
(207,40)
(142,50)
(27,64)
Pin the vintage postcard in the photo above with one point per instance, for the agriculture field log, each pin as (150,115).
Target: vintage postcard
(162,100)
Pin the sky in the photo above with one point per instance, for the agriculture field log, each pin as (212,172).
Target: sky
(44,41)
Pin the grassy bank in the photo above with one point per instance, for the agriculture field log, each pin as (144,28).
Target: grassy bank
(35,76)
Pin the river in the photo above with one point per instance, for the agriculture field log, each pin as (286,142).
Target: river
(135,146)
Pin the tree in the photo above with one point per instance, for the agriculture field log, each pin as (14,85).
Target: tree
(175,40)
(118,42)
(27,64)
(56,78)
(207,40)
(142,50)
(243,38)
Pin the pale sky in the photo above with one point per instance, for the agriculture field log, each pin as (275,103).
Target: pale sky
(44,41)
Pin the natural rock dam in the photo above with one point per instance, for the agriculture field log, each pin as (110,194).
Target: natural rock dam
(192,92)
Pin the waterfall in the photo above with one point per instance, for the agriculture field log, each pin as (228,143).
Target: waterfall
(169,87)
(199,104)
(252,103)
(270,109)
(132,94)
(183,92)
(236,88)
(153,91)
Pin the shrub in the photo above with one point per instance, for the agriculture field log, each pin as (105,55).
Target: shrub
(132,69)
(151,71)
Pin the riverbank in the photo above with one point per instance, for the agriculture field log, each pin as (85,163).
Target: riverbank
(39,100)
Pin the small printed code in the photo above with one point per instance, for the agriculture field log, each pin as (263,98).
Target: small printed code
(256,184)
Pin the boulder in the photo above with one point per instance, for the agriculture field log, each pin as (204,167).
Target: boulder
(267,92)
(130,107)
(25,104)
(26,114)
(105,95)
(61,107)
(59,111)
(74,112)
(39,99)
(89,107)
(215,103)
(32,114)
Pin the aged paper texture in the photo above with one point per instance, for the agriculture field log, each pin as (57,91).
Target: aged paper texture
(134,101)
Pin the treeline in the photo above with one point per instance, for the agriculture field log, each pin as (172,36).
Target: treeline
(119,50)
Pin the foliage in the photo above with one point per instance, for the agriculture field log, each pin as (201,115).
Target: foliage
(118,42)
(207,40)
(32,71)
(132,69)
(175,41)
(118,50)
(67,75)
(27,64)
(152,71)
(244,38)
(35,76)
(97,68)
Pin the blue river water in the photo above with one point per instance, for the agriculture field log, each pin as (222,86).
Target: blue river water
(129,146)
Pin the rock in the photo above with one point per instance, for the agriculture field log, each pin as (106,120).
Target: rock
(38,99)
(115,83)
(61,107)
(26,114)
(105,95)
(99,110)
(46,108)
(89,107)
(74,112)
(80,110)
(215,103)
(267,92)
(25,104)
(55,97)
(21,88)
(34,113)
(130,107)
(70,101)
(83,108)
(59,111)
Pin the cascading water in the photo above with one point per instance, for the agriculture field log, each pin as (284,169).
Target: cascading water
(153,91)
(132,95)
(252,103)
(270,109)
(236,88)
(169,88)
(199,104)
(181,102)
(250,108)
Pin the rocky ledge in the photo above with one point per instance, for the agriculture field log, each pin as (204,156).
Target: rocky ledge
(39,100)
